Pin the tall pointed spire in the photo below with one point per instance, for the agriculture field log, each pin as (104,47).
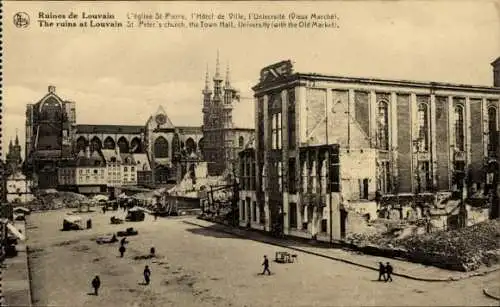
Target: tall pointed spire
(217,76)
(228,77)
(17,139)
(207,82)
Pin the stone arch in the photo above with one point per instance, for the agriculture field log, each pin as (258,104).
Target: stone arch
(135,145)
(161,147)
(190,146)
(241,141)
(51,109)
(95,144)
(123,145)
(81,143)
(109,143)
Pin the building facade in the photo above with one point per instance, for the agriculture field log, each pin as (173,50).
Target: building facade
(18,188)
(342,139)
(223,137)
(54,139)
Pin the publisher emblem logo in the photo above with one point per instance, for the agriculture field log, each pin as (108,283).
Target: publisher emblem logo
(21,20)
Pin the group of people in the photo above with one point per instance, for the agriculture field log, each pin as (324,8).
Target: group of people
(385,272)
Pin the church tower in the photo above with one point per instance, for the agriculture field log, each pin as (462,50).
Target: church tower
(218,132)
(13,158)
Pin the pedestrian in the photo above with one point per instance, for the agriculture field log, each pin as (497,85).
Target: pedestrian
(388,271)
(381,271)
(266,266)
(147,275)
(122,250)
(152,252)
(96,284)
(104,209)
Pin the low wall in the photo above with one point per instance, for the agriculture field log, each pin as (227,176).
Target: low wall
(15,275)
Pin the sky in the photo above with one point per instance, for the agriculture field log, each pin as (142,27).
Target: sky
(122,76)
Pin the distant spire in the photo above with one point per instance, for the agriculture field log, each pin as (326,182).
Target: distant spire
(228,77)
(10,144)
(217,68)
(207,83)
(17,139)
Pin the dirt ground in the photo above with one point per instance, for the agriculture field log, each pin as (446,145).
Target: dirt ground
(201,267)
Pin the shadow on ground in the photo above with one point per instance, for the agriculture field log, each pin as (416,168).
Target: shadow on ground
(224,231)
(212,232)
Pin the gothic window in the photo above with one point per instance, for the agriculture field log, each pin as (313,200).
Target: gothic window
(109,143)
(81,144)
(95,144)
(423,176)
(136,145)
(459,128)
(241,141)
(385,177)
(423,127)
(190,146)
(383,125)
(123,145)
(279,166)
(492,128)
(276,131)
(161,147)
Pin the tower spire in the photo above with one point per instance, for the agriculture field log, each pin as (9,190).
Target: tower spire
(207,83)
(17,139)
(217,76)
(228,77)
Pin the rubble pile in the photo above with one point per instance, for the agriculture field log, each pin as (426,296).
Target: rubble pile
(465,249)
(58,200)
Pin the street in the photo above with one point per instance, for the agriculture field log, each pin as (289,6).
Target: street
(200,267)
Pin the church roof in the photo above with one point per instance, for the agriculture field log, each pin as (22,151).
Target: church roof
(110,153)
(142,161)
(111,129)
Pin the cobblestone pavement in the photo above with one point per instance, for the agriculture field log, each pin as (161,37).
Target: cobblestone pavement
(199,266)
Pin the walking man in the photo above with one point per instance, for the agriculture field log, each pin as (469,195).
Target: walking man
(96,283)
(388,270)
(147,275)
(122,250)
(381,271)
(266,266)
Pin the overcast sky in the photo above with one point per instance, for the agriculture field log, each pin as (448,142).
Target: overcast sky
(122,76)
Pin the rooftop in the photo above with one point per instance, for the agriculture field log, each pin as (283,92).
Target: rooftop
(119,129)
